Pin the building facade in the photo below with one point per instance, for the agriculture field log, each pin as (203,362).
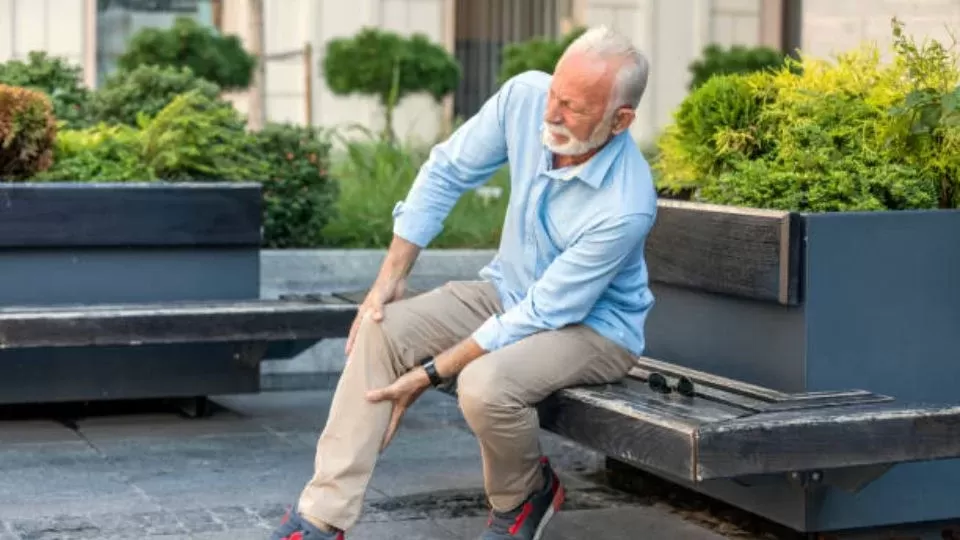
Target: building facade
(671,32)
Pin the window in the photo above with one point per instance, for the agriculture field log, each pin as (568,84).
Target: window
(484,27)
(118,20)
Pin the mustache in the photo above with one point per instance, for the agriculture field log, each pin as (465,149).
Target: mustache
(558,128)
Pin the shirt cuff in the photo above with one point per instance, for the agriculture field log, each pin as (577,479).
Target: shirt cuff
(491,334)
(417,231)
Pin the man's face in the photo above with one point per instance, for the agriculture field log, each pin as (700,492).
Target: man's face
(574,121)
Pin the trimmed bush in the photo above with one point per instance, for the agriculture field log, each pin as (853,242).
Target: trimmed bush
(59,79)
(197,138)
(220,59)
(298,194)
(846,135)
(389,67)
(27,132)
(145,91)
(717,60)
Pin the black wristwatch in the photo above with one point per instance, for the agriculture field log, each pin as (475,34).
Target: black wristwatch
(431,369)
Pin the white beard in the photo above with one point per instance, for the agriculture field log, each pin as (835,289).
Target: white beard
(574,146)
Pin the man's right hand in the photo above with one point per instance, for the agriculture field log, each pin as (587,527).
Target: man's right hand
(389,286)
(385,290)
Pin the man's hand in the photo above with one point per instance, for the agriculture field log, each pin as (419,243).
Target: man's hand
(387,289)
(390,285)
(403,392)
(406,389)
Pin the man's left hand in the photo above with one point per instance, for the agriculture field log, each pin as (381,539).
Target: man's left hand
(403,392)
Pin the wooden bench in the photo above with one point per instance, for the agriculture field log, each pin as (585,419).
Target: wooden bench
(767,383)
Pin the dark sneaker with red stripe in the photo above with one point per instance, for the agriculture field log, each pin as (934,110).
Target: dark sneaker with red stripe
(294,527)
(528,521)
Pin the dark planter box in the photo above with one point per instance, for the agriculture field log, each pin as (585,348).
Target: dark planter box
(82,244)
(816,302)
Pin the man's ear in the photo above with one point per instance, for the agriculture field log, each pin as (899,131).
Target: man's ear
(622,119)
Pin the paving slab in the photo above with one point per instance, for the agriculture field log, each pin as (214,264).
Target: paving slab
(157,474)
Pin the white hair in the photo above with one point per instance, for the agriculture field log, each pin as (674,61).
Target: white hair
(631,80)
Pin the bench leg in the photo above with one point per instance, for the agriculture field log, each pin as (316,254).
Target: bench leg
(195,407)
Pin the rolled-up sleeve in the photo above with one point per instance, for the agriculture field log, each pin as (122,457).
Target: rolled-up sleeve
(464,161)
(571,285)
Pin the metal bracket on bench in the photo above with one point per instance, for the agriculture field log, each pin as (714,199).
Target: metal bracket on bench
(250,353)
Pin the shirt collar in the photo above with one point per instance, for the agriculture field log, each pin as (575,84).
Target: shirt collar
(593,171)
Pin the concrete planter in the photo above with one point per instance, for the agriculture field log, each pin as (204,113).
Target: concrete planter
(300,271)
(817,302)
(85,244)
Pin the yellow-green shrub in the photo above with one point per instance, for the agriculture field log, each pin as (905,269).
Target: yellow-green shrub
(855,133)
(100,153)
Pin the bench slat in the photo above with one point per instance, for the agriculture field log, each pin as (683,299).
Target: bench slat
(828,438)
(175,322)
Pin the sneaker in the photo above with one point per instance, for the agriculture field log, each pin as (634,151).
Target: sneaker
(528,520)
(294,527)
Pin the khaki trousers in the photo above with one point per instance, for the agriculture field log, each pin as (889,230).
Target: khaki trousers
(497,394)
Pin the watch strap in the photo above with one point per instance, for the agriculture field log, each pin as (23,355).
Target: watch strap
(431,369)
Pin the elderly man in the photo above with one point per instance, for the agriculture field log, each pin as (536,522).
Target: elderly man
(563,302)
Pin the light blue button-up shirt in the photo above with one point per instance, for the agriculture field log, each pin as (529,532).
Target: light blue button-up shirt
(572,244)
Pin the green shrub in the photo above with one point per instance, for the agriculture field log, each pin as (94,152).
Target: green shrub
(389,67)
(27,132)
(852,134)
(56,77)
(373,174)
(717,125)
(198,138)
(716,60)
(540,54)
(101,153)
(220,59)
(145,91)
(298,193)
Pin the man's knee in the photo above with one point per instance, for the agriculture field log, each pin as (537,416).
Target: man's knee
(481,393)
(376,334)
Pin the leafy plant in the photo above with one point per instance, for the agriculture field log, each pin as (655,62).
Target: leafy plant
(298,194)
(27,132)
(856,133)
(60,80)
(145,91)
(220,59)
(539,54)
(101,153)
(926,125)
(717,126)
(373,174)
(389,67)
(717,60)
(197,138)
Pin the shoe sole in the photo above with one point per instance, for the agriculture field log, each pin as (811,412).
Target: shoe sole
(555,505)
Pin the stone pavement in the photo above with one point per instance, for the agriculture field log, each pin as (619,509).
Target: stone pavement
(142,471)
